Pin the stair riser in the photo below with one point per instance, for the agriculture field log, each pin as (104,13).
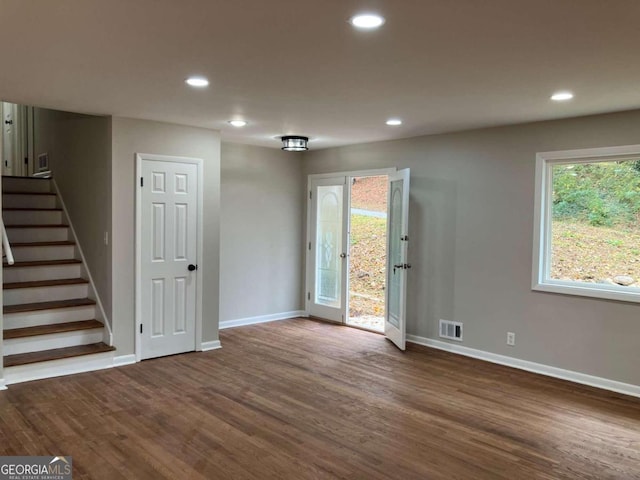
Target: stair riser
(47,272)
(17,296)
(48,342)
(18,235)
(29,201)
(56,252)
(31,217)
(56,368)
(49,317)
(25,185)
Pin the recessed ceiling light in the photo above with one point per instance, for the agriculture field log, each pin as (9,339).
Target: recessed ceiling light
(367,21)
(238,123)
(197,82)
(561,96)
(394,122)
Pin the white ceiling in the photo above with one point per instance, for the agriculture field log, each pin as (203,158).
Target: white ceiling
(298,67)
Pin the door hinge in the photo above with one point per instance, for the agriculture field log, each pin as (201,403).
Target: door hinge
(310,194)
(309,245)
(308,295)
(26,160)
(140,328)
(404,238)
(142,181)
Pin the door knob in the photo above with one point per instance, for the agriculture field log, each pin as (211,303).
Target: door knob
(192,267)
(343,255)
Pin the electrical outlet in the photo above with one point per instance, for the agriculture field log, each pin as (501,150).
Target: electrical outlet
(511,339)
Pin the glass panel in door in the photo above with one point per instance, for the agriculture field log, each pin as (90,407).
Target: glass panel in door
(327,245)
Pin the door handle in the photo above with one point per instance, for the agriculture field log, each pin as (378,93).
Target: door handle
(343,255)
(192,267)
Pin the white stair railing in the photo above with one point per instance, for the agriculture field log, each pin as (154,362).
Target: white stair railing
(6,247)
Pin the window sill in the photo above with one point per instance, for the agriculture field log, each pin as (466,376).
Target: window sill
(606,292)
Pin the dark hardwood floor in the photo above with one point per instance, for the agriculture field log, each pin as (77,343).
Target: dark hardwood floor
(301,399)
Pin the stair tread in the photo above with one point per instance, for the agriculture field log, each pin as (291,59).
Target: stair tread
(32,307)
(43,263)
(45,283)
(42,225)
(42,244)
(49,329)
(31,209)
(56,354)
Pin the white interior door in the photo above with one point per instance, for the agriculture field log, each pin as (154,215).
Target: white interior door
(395,325)
(328,246)
(168,236)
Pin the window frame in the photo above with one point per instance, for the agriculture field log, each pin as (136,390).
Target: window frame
(541,279)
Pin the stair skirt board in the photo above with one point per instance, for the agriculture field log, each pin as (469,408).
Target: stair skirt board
(15,346)
(51,272)
(58,368)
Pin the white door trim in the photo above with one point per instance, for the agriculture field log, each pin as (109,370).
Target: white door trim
(308,258)
(140,157)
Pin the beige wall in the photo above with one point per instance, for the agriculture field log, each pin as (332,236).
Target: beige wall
(261,231)
(79,148)
(471,231)
(140,136)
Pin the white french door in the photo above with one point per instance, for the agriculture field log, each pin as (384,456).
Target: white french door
(395,325)
(167,251)
(328,249)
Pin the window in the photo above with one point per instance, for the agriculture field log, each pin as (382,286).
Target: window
(587,223)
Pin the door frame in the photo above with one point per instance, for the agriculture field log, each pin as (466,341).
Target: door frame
(140,158)
(308,257)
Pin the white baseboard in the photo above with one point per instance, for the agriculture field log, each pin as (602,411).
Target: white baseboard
(123,360)
(213,345)
(261,319)
(576,377)
(2,385)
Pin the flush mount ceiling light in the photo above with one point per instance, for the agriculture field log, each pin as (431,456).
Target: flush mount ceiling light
(394,122)
(367,21)
(237,123)
(561,96)
(294,143)
(199,82)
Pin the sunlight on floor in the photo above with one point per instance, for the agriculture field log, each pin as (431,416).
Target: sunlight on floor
(367,321)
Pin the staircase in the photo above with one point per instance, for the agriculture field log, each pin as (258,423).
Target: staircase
(52,324)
